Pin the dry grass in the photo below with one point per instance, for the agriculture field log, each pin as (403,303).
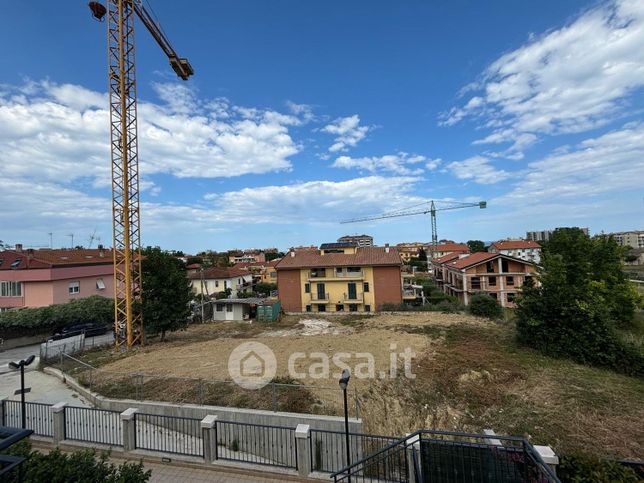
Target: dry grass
(470,375)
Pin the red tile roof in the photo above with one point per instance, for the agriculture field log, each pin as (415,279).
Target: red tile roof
(473,259)
(364,256)
(451,247)
(446,258)
(214,273)
(49,258)
(515,244)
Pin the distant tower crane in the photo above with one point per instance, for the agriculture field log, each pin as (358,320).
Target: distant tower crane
(423,209)
(128,322)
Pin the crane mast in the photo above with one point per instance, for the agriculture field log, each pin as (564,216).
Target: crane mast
(126,221)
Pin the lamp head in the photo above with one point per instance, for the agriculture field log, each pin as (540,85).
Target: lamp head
(29,359)
(344,379)
(13,365)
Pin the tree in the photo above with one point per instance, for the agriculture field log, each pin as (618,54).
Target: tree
(581,299)
(422,255)
(166,292)
(476,246)
(265,288)
(273,255)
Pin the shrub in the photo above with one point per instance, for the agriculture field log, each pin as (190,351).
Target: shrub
(44,320)
(78,466)
(485,306)
(576,468)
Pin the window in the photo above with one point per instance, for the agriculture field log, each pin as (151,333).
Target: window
(476,283)
(220,307)
(504,266)
(353,307)
(365,287)
(216,283)
(308,308)
(321,308)
(100,284)
(339,308)
(511,297)
(10,289)
(492,281)
(493,295)
(318,272)
(307,288)
(74,288)
(338,271)
(490,267)
(528,280)
(354,270)
(509,280)
(229,307)
(367,308)
(15,263)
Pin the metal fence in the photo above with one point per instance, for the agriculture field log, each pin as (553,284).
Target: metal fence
(256,443)
(93,425)
(168,434)
(328,448)
(447,457)
(38,416)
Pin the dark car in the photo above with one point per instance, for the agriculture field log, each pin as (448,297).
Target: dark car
(90,329)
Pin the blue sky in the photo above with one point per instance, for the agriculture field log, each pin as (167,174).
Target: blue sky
(302,114)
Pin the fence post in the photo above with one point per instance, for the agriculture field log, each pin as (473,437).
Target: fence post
(129,429)
(412,445)
(274,397)
(209,435)
(548,456)
(2,408)
(58,421)
(302,435)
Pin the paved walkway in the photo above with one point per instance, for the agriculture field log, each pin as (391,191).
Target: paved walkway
(44,388)
(170,474)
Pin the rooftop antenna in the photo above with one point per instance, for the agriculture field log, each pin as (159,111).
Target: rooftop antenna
(51,240)
(93,237)
(72,237)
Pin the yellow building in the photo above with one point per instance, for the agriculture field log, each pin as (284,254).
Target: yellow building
(339,279)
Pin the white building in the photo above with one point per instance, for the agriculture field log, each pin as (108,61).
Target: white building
(211,281)
(633,239)
(527,250)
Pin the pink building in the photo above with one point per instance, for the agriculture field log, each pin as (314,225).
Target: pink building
(37,278)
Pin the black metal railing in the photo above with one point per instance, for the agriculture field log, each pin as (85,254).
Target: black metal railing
(168,434)
(328,448)
(38,416)
(256,443)
(93,425)
(452,457)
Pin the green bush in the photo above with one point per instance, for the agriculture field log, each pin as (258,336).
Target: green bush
(578,469)
(45,320)
(485,306)
(80,466)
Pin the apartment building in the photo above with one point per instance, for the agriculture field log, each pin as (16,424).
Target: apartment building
(633,239)
(359,240)
(545,235)
(247,257)
(495,274)
(439,267)
(213,280)
(524,249)
(355,279)
(37,278)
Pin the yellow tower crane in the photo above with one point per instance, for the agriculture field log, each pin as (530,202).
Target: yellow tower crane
(126,224)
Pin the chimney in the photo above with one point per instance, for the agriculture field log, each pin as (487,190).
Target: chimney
(18,247)
(386,247)
(293,253)
(101,251)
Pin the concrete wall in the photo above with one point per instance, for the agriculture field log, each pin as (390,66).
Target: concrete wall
(387,286)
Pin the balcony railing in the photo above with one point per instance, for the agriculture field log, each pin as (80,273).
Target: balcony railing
(332,274)
(358,297)
(319,296)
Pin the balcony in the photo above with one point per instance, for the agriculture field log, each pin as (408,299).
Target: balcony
(356,298)
(331,274)
(319,297)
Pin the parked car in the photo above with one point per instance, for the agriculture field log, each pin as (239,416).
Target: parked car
(90,329)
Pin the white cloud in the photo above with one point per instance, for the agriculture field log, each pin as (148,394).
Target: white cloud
(401,163)
(479,169)
(610,163)
(568,80)
(348,132)
(61,133)
(313,201)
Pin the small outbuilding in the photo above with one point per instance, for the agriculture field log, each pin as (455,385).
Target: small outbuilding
(267,310)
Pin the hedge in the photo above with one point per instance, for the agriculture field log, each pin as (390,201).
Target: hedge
(46,320)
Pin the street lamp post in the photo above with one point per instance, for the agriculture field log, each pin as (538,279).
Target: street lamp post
(21,365)
(344,382)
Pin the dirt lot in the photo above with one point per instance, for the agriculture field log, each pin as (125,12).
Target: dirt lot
(470,375)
